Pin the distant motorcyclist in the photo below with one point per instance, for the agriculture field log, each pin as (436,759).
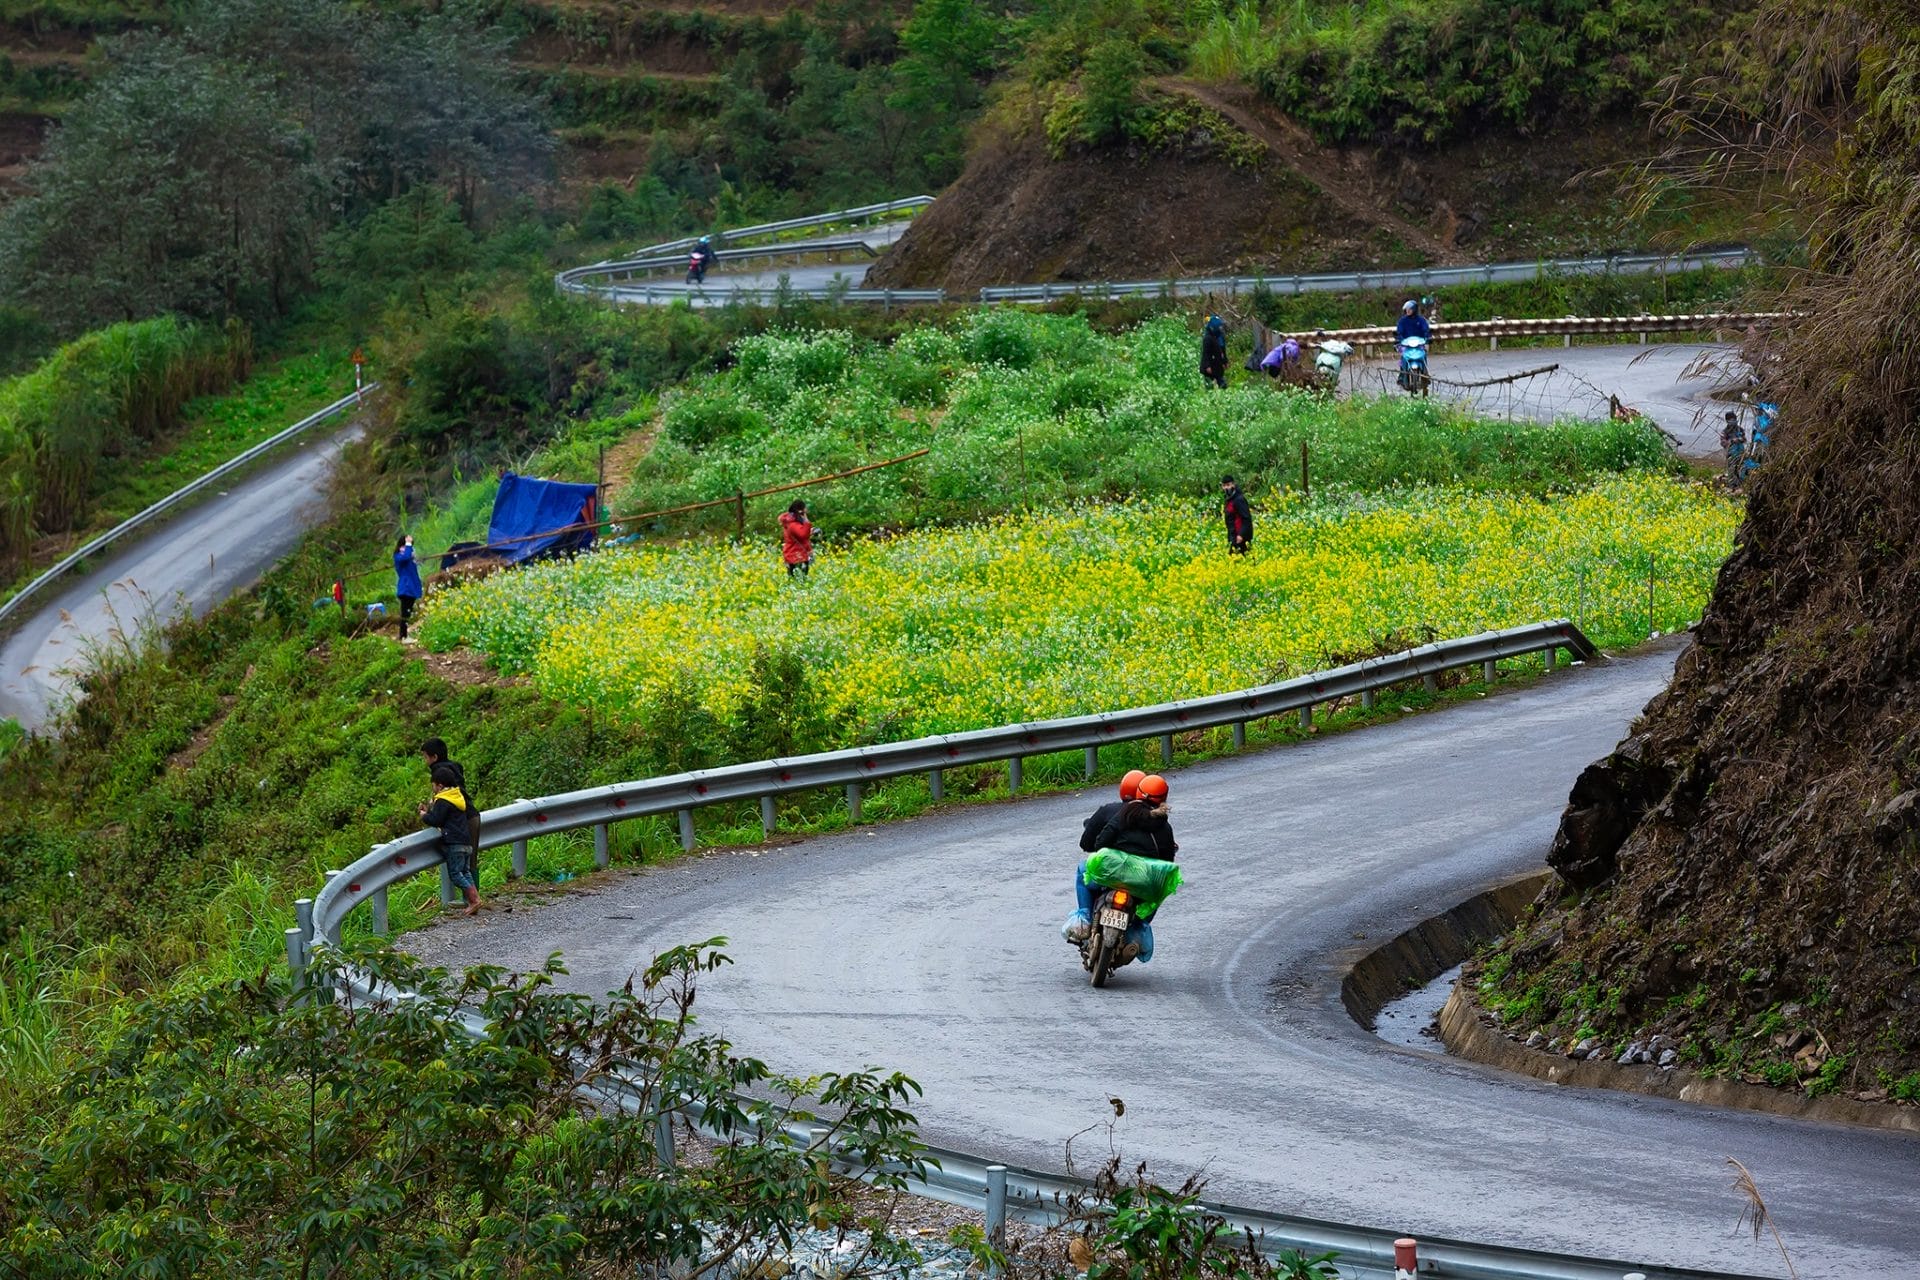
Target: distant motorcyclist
(1412,324)
(702,257)
(1082,918)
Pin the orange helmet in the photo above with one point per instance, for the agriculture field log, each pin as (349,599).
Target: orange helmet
(1130,785)
(1153,787)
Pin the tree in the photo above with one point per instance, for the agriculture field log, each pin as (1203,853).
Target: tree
(247,1131)
(200,170)
(176,184)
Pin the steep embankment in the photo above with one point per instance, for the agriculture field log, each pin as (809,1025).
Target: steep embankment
(1019,213)
(1741,873)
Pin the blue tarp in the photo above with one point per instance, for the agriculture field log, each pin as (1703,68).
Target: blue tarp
(526,505)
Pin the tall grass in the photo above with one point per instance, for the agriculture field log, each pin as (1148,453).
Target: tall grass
(109,392)
(1232,45)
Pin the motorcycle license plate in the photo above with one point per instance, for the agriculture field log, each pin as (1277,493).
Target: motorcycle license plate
(1111,919)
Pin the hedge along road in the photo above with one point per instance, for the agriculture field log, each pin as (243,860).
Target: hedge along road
(932,946)
(197,559)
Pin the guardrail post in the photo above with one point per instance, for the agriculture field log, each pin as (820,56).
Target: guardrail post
(447,896)
(1014,774)
(1550,656)
(1306,717)
(1093,762)
(686,830)
(378,905)
(996,1215)
(303,916)
(1367,699)
(768,819)
(936,784)
(519,859)
(1166,749)
(1432,682)
(663,1138)
(853,802)
(1239,734)
(1487,672)
(600,857)
(297,958)
(1406,1258)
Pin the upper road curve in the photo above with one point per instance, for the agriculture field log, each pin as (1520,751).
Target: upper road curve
(932,946)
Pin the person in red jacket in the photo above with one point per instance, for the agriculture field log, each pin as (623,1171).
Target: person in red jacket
(796,539)
(1238,514)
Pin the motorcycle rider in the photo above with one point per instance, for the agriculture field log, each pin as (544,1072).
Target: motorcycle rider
(1078,923)
(1142,827)
(1091,829)
(1412,325)
(703,257)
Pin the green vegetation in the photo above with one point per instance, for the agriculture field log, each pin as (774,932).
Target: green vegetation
(1426,70)
(236,1130)
(1019,409)
(196,173)
(111,393)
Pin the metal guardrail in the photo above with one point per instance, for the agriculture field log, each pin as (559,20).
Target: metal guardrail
(1000,1191)
(574,280)
(1566,326)
(180,495)
(792,224)
(368,879)
(1414,278)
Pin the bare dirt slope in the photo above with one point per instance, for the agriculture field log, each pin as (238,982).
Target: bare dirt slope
(1018,215)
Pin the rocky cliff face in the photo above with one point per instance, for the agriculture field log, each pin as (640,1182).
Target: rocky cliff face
(1743,872)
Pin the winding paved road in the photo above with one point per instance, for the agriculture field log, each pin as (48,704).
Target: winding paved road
(198,558)
(931,946)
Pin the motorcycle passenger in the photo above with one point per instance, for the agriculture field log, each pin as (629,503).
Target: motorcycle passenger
(1082,918)
(1142,827)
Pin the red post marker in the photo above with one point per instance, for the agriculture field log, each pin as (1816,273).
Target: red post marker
(1406,1258)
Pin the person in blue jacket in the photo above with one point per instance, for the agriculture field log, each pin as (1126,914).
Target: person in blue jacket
(1412,323)
(407,579)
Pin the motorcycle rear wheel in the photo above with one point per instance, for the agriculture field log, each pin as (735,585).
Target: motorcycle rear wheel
(1105,946)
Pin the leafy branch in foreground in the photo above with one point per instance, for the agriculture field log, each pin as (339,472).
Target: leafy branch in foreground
(240,1131)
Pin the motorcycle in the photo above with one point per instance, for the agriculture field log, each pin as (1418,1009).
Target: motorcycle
(1326,365)
(697,268)
(1102,951)
(1413,365)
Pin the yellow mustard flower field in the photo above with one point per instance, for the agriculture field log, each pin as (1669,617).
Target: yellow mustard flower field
(1030,616)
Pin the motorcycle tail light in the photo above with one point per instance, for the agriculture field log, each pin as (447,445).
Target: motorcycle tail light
(1119,897)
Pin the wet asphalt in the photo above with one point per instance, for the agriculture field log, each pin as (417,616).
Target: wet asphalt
(195,559)
(931,946)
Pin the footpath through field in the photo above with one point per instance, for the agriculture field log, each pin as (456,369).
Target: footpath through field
(932,946)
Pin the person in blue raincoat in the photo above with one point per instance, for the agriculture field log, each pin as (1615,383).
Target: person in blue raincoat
(407,579)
